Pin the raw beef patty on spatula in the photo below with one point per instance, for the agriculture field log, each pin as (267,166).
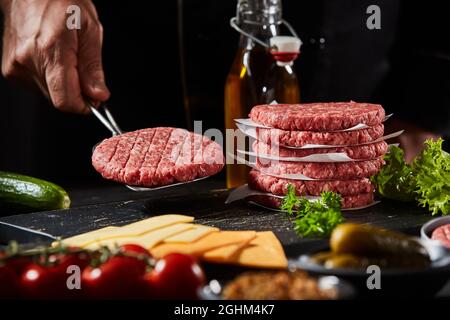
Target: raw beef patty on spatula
(157,156)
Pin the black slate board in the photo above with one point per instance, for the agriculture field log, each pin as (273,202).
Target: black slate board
(205,201)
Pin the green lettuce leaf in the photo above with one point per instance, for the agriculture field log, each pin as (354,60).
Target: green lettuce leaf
(396,179)
(432,171)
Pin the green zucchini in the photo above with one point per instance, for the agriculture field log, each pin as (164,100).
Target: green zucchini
(27,194)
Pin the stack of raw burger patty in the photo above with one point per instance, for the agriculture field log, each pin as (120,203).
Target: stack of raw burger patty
(294,126)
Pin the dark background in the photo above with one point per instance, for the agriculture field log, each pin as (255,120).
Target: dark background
(405,66)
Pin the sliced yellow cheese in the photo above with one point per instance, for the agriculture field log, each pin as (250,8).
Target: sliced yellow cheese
(265,251)
(130,230)
(81,239)
(197,232)
(209,242)
(224,254)
(147,240)
(150,224)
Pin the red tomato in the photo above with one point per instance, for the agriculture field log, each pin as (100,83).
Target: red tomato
(9,283)
(16,263)
(51,282)
(139,252)
(118,278)
(175,276)
(19,264)
(134,248)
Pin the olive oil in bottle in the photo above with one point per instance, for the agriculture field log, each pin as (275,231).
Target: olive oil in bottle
(256,77)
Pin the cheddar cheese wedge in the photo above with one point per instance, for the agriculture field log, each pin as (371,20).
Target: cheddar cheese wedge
(224,254)
(209,242)
(265,251)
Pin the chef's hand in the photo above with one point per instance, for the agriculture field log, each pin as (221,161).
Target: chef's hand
(412,139)
(65,64)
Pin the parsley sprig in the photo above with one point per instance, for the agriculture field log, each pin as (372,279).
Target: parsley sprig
(313,218)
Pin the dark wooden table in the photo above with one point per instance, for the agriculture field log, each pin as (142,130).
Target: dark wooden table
(94,208)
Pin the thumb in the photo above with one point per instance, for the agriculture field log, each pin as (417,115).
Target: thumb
(90,68)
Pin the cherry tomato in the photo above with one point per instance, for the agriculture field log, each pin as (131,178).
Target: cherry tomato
(120,277)
(9,283)
(175,276)
(134,248)
(19,264)
(140,252)
(52,281)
